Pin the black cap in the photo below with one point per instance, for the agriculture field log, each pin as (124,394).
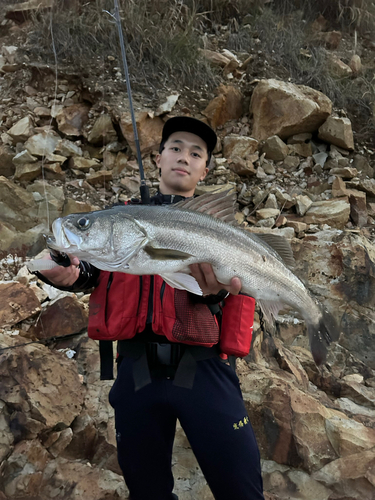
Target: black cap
(192,125)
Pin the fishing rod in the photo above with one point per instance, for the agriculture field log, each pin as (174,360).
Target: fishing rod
(145,195)
(60,258)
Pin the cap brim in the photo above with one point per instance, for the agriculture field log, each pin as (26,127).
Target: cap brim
(192,125)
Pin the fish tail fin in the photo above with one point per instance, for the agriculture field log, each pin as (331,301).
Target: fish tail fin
(321,335)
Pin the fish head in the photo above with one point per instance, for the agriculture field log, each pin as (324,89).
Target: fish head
(106,238)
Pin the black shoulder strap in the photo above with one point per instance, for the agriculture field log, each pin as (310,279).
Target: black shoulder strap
(106,359)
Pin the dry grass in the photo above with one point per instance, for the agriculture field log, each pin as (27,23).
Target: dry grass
(281,39)
(352,14)
(162,39)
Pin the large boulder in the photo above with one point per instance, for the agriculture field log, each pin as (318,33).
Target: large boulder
(17,206)
(228,105)
(337,131)
(285,109)
(149,131)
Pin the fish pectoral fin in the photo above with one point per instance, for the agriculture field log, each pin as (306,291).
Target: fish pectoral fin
(270,309)
(165,253)
(182,281)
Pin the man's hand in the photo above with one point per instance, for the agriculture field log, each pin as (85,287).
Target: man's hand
(63,276)
(206,279)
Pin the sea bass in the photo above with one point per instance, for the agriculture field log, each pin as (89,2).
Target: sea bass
(165,240)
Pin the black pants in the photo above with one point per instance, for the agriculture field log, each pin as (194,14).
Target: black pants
(214,419)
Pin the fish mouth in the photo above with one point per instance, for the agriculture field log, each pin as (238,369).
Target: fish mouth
(63,239)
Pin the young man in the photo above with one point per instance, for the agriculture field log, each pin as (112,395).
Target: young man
(159,380)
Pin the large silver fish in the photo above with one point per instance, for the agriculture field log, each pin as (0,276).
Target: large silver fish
(165,240)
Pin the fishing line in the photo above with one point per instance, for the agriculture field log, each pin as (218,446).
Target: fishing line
(52,113)
(45,341)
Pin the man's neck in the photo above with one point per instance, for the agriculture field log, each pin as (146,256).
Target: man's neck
(184,194)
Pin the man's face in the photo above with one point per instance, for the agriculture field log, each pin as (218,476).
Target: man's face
(182,163)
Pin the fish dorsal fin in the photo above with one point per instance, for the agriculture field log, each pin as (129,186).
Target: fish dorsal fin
(280,245)
(219,205)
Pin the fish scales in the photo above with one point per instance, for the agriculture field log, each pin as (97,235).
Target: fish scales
(165,240)
(231,251)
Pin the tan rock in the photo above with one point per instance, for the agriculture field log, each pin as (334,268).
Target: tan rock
(103,131)
(168,105)
(17,303)
(63,317)
(285,109)
(17,206)
(72,206)
(242,167)
(337,131)
(99,177)
(344,172)
(355,64)
(83,164)
(63,440)
(132,184)
(337,67)
(45,385)
(284,198)
(27,172)
(302,149)
(280,481)
(22,130)
(288,361)
(71,120)
(29,459)
(271,202)
(109,160)
(351,477)
(239,146)
(30,241)
(358,208)
(149,131)
(82,480)
(291,163)
(290,412)
(6,436)
(275,149)
(7,167)
(228,105)
(215,57)
(358,393)
(24,157)
(266,213)
(299,227)
(68,148)
(42,111)
(42,144)
(362,165)
(122,163)
(339,188)
(348,436)
(303,203)
(54,171)
(334,212)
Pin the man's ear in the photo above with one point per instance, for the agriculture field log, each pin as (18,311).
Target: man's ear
(206,170)
(157,159)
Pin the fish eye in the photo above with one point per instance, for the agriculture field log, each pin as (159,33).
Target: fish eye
(83,223)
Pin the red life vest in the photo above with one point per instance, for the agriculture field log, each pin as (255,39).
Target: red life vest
(119,306)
